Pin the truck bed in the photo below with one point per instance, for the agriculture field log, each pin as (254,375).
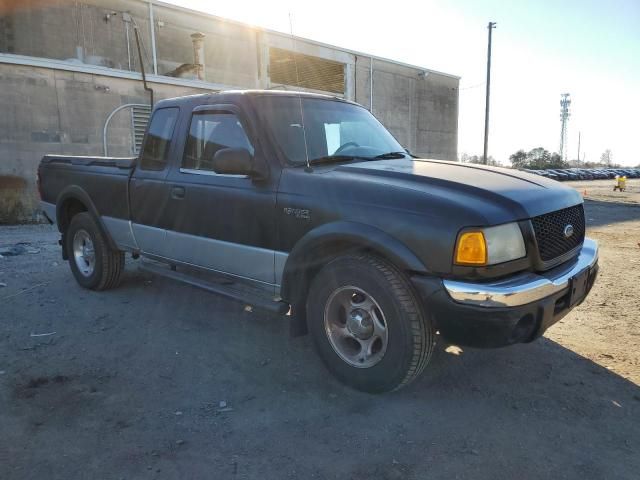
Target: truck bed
(103,179)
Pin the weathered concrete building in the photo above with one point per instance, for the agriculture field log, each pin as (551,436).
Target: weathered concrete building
(66,66)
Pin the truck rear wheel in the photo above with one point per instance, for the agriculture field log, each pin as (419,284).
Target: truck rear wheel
(367,324)
(93,263)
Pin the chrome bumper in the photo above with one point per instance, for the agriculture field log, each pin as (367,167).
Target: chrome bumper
(525,287)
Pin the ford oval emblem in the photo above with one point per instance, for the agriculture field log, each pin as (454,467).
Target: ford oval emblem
(568,231)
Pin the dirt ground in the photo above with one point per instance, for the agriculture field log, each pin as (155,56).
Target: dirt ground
(602,191)
(160,380)
(606,328)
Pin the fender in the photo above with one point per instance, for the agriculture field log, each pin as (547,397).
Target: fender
(311,250)
(77,193)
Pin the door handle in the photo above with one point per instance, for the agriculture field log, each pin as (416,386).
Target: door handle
(177,193)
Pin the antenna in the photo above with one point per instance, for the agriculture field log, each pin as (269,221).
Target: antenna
(565,102)
(295,63)
(293,44)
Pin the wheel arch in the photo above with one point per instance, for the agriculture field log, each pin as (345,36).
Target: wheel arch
(73,200)
(313,250)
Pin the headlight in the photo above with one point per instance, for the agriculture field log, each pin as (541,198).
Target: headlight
(489,246)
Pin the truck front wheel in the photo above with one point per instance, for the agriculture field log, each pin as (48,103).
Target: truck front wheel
(93,263)
(367,324)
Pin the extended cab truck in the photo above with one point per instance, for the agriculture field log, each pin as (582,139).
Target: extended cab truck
(305,204)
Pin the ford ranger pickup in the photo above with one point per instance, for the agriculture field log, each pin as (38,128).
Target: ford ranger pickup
(305,205)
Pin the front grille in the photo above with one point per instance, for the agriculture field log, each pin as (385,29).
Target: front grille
(549,230)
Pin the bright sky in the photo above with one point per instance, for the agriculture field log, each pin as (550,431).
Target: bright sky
(588,48)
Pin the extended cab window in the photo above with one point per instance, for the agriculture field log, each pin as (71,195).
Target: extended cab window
(156,148)
(210,132)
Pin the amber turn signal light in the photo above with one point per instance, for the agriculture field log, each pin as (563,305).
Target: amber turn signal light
(471,249)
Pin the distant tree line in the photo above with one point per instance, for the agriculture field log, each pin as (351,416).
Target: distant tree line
(466,158)
(540,159)
(537,159)
(606,158)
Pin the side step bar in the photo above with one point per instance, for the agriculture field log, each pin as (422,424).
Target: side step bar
(248,296)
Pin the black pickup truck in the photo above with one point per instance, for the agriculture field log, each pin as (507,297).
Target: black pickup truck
(306,205)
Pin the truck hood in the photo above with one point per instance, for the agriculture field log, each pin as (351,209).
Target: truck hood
(500,194)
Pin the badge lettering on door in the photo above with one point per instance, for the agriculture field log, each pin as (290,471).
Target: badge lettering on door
(301,213)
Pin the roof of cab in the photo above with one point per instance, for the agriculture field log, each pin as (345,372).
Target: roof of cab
(231,95)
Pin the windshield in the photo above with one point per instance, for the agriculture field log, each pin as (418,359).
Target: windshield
(331,128)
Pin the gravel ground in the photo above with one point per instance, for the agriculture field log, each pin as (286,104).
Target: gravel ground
(163,381)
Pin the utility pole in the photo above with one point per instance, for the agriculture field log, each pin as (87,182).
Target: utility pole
(490,27)
(579,133)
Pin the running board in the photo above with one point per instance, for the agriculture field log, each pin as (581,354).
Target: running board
(250,297)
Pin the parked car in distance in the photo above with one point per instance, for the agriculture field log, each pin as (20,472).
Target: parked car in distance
(563,174)
(586,174)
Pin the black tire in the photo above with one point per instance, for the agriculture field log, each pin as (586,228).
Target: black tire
(108,264)
(410,341)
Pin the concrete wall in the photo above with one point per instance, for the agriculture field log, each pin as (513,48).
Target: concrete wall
(53,111)
(48,109)
(420,108)
(56,28)
(436,108)
(231,50)
(62,29)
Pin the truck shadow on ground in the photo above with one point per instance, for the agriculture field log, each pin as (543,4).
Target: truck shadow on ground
(526,372)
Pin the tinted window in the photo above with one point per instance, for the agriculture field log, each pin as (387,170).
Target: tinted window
(210,132)
(156,148)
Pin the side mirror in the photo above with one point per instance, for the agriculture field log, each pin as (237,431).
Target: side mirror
(235,161)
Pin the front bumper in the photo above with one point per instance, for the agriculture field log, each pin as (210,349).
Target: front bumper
(512,310)
(526,287)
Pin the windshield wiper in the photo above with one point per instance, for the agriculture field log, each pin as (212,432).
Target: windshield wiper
(391,156)
(334,159)
(348,158)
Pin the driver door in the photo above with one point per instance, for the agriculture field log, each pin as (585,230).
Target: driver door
(221,222)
